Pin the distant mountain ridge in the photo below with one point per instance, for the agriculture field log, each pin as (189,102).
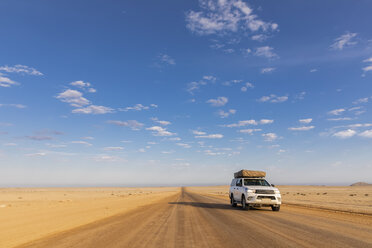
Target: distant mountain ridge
(361,184)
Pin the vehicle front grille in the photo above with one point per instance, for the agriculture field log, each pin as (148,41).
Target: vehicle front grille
(266,197)
(264,191)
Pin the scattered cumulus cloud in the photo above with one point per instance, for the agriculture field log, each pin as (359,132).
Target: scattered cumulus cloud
(138,107)
(345,134)
(226,114)
(270,136)
(184,145)
(366,134)
(164,123)
(273,98)
(267,70)
(6,82)
(132,124)
(313,70)
(195,85)
(345,40)
(305,121)
(22,69)
(83,85)
(218,102)
(81,142)
(304,128)
(166,59)
(266,52)
(250,131)
(196,132)
(93,109)
(160,131)
(259,37)
(113,148)
(73,97)
(227,16)
(247,86)
(336,111)
(366,68)
(340,119)
(242,123)
(19,106)
(210,136)
(266,121)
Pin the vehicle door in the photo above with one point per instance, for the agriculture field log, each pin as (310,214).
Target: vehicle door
(232,186)
(238,190)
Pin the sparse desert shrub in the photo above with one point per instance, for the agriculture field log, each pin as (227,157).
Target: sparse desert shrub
(366,195)
(318,193)
(324,193)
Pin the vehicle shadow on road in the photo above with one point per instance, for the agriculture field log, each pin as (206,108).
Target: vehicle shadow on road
(209,205)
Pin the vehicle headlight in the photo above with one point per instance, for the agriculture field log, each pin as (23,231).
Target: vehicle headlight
(276,191)
(250,190)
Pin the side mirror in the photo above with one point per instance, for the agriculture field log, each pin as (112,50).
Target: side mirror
(272,185)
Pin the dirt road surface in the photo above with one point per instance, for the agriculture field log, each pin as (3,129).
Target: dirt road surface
(190,219)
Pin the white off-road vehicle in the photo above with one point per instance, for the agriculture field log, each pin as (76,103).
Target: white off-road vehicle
(254,192)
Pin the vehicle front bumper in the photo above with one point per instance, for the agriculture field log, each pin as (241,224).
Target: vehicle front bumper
(264,199)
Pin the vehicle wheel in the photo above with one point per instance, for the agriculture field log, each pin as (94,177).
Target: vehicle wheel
(275,208)
(232,201)
(244,203)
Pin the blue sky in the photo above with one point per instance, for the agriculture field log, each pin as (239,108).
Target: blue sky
(184,92)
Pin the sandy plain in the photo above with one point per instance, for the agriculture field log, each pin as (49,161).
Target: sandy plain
(183,217)
(31,213)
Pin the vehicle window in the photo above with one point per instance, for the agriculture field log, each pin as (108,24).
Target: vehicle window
(233,182)
(239,182)
(256,182)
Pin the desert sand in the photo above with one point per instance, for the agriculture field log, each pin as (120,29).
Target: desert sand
(356,199)
(31,213)
(181,217)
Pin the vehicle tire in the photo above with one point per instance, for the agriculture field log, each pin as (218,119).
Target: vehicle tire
(244,203)
(276,209)
(232,201)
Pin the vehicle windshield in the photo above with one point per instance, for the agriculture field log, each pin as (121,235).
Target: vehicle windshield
(256,182)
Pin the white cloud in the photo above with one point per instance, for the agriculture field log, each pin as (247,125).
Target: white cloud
(20,106)
(344,40)
(304,128)
(266,52)
(246,86)
(210,136)
(224,114)
(81,142)
(249,131)
(266,121)
(23,69)
(107,158)
(366,134)
(270,136)
(195,85)
(166,59)
(361,100)
(345,134)
(37,154)
(113,148)
(259,37)
(160,131)
(368,67)
(184,145)
(267,70)
(340,119)
(138,107)
(336,111)
(273,98)
(313,70)
(83,85)
(218,102)
(93,109)
(242,123)
(305,121)
(360,125)
(223,16)
(73,97)
(164,123)
(132,124)
(196,132)
(6,82)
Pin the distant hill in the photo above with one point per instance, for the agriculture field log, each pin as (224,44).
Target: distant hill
(361,184)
